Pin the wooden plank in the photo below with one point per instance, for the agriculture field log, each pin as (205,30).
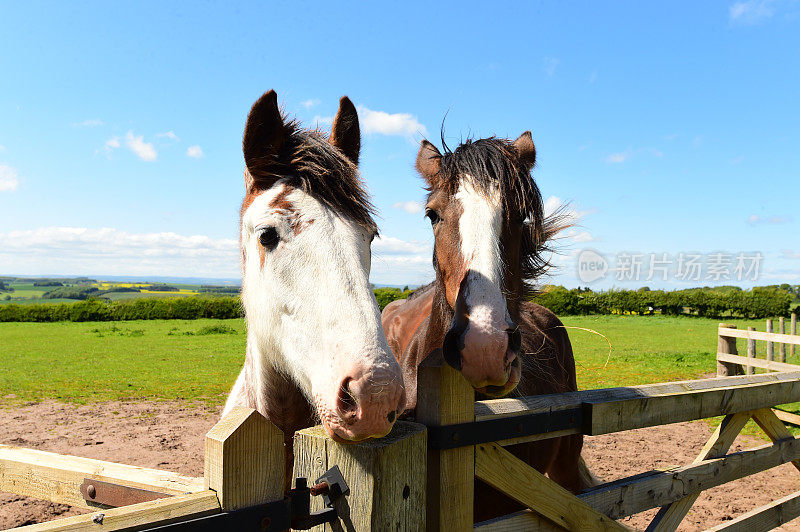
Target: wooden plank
(647,411)
(136,516)
(57,478)
(751,353)
(726,344)
(756,335)
(793,331)
(669,517)
(632,495)
(494,408)
(524,521)
(773,428)
(782,345)
(444,397)
(788,417)
(770,344)
(758,363)
(507,473)
(244,460)
(764,518)
(386,476)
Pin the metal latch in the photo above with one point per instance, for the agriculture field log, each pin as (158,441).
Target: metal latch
(331,485)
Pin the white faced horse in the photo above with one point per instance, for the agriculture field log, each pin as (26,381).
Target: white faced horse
(314,334)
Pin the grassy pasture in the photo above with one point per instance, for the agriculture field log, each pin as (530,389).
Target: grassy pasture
(176,359)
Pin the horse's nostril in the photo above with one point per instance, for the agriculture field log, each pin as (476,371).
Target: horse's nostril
(514,340)
(347,404)
(391,417)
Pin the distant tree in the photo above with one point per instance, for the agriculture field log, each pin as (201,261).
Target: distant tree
(162,288)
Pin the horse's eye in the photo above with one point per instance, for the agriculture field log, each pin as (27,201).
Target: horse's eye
(432,215)
(269,238)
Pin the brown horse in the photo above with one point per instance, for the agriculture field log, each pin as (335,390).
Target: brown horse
(315,347)
(490,235)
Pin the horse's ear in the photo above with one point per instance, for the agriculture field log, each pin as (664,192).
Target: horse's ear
(264,139)
(429,162)
(345,133)
(526,151)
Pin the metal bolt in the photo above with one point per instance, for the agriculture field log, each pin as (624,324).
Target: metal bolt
(320,489)
(91,491)
(456,437)
(265,523)
(98,518)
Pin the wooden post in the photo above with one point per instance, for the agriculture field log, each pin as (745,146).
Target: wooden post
(444,397)
(794,331)
(782,346)
(386,476)
(770,344)
(727,345)
(244,460)
(751,351)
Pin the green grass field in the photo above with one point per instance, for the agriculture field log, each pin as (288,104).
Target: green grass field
(199,359)
(91,361)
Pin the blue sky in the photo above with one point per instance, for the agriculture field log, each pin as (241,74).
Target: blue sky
(668,128)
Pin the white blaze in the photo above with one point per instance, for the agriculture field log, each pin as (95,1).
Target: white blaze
(480,227)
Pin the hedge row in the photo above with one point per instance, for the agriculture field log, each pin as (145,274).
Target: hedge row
(181,308)
(755,303)
(706,302)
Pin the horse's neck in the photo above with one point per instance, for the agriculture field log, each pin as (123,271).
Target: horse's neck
(439,322)
(275,395)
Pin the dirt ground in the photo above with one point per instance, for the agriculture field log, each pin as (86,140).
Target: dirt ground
(170,436)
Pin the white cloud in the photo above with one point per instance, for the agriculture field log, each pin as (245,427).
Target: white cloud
(621,157)
(791,255)
(755,219)
(169,135)
(80,250)
(751,12)
(738,159)
(396,261)
(411,207)
(9,180)
(88,123)
(579,236)
(112,143)
(552,204)
(195,152)
(402,124)
(550,64)
(570,215)
(144,150)
(311,102)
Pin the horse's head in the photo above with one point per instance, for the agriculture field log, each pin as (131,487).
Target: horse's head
(487,218)
(306,230)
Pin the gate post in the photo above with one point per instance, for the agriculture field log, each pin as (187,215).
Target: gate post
(444,397)
(386,477)
(244,460)
(727,345)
